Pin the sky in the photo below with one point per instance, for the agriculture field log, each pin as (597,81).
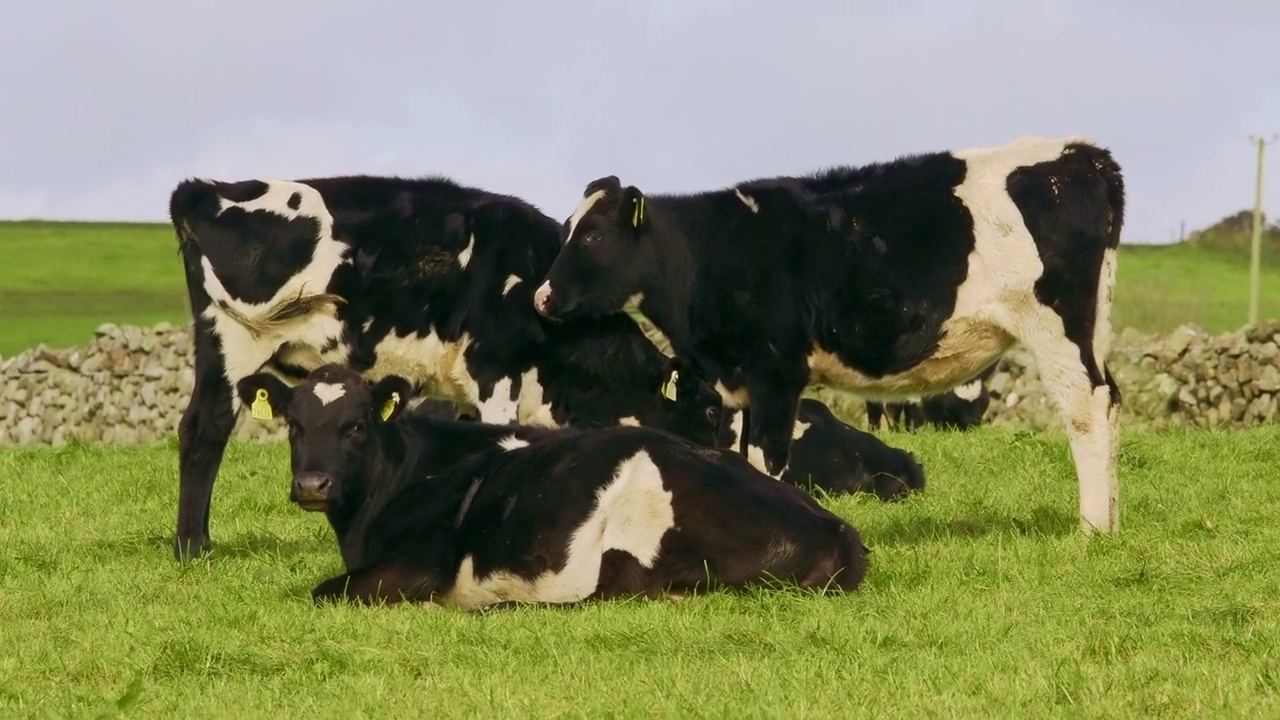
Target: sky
(108,105)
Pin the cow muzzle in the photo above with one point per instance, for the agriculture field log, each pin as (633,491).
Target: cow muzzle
(542,298)
(311,490)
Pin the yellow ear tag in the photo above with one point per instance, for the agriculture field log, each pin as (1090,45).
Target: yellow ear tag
(669,387)
(638,215)
(390,406)
(261,408)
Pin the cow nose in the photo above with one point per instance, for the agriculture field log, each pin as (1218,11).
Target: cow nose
(311,489)
(542,297)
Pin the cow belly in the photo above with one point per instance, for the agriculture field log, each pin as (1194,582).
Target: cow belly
(967,347)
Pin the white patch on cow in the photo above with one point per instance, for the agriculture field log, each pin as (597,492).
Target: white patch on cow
(511,282)
(532,407)
(584,207)
(798,430)
(500,404)
(464,257)
(747,200)
(629,421)
(328,392)
(438,367)
(511,442)
(244,352)
(632,514)
(970,390)
(733,399)
(755,456)
(367,324)
(735,426)
(633,302)
(1102,313)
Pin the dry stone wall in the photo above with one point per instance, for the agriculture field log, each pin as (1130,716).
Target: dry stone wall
(131,384)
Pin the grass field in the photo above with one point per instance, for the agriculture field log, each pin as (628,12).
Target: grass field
(62,280)
(982,601)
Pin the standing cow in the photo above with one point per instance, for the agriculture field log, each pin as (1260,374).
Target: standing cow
(891,280)
(472,514)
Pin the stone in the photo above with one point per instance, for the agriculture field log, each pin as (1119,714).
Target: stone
(1269,378)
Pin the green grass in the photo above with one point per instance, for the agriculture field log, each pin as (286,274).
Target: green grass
(982,601)
(59,281)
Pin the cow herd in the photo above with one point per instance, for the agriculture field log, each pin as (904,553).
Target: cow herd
(482,421)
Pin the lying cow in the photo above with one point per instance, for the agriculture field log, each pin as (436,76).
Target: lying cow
(958,409)
(469,515)
(827,454)
(891,280)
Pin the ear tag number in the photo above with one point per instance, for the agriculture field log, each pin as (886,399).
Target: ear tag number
(261,408)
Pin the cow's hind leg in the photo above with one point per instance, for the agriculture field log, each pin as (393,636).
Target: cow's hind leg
(1071,360)
(203,432)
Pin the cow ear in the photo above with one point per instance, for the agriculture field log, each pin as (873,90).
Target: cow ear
(265,394)
(457,231)
(390,396)
(632,209)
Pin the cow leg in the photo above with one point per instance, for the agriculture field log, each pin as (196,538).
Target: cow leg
(875,413)
(379,584)
(1088,402)
(775,398)
(203,432)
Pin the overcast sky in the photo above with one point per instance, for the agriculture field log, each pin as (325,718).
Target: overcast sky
(107,105)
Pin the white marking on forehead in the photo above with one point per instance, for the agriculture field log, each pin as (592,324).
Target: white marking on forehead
(464,257)
(969,391)
(511,442)
(328,392)
(747,200)
(511,282)
(583,208)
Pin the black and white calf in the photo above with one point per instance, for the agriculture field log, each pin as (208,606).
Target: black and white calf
(958,409)
(469,514)
(426,279)
(891,280)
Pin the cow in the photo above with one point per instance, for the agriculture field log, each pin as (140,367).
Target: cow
(427,279)
(891,280)
(468,514)
(958,409)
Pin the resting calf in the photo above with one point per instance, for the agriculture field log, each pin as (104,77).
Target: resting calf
(469,514)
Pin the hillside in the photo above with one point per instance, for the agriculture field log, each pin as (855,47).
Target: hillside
(60,280)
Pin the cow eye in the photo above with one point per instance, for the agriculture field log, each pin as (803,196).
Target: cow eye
(356,428)
(590,238)
(713,414)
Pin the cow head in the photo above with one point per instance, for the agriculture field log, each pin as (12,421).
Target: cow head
(599,267)
(692,408)
(335,418)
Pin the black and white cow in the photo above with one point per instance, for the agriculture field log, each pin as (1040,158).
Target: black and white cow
(959,409)
(469,514)
(426,279)
(891,280)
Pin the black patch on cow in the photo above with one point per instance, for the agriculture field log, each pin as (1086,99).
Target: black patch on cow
(295,201)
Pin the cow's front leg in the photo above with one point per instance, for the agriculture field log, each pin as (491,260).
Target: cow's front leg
(383,583)
(774,399)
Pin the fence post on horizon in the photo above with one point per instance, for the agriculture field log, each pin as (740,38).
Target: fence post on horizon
(1255,250)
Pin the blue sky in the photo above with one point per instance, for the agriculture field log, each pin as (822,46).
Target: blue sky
(109,105)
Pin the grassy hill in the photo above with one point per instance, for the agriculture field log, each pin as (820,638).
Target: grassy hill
(59,281)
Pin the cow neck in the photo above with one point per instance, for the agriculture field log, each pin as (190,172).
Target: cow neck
(382,477)
(668,292)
